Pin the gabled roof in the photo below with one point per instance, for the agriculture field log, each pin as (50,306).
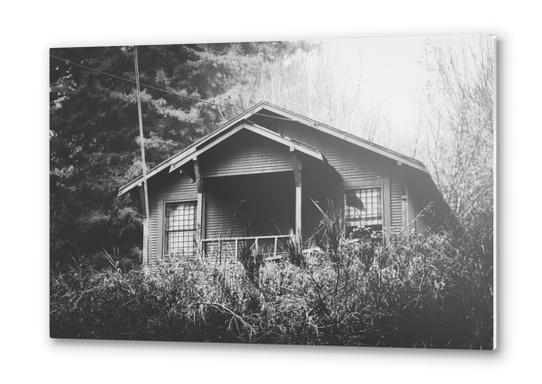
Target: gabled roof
(336,133)
(195,148)
(293,145)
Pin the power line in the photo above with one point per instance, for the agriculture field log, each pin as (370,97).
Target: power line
(142,84)
(161,89)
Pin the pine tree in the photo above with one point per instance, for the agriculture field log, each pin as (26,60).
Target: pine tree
(93,126)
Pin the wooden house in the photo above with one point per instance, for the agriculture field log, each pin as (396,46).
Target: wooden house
(260,175)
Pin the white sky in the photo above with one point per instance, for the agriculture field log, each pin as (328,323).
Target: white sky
(388,71)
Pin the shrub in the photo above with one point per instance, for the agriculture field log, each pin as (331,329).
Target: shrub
(421,291)
(330,231)
(293,247)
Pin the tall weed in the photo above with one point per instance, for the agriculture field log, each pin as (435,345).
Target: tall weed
(420,291)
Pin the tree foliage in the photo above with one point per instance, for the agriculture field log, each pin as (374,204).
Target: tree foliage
(307,82)
(459,131)
(93,126)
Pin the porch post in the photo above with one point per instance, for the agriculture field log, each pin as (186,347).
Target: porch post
(404,203)
(298,168)
(200,202)
(298,205)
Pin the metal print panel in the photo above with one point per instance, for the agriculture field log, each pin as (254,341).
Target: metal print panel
(330,192)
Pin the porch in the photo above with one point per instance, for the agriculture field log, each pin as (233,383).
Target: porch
(271,247)
(254,190)
(258,213)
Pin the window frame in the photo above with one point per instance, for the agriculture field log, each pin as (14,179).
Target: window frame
(383,206)
(165,231)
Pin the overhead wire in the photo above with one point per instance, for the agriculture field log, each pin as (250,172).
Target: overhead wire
(156,88)
(150,86)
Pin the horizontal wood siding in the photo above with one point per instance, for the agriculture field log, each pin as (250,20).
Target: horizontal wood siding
(220,216)
(411,211)
(245,153)
(357,166)
(165,188)
(396,204)
(249,205)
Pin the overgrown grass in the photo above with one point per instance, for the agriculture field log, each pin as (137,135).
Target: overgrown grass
(420,291)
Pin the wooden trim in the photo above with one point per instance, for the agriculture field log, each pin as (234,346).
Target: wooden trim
(235,240)
(199,216)
(290,115)
(262,237)
(160,167)
(203,214)
(186,159)
(298,168)
(284,140)
(190,149)
(248,172)
(257,130)
(197,175)
(344,136)
(162,223)
(298,210)
(385,185)
(200,209)
(405,210)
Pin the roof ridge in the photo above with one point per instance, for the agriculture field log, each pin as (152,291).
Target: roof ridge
(273,108)
(338,130)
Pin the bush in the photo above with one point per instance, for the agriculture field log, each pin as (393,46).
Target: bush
(416,291)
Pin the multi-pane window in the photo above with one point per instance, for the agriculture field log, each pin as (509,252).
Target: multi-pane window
(363,208)
(180,228)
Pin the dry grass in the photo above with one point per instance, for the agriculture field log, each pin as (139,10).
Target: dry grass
(417,291)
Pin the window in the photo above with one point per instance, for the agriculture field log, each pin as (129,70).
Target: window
(180,225)
(363,208)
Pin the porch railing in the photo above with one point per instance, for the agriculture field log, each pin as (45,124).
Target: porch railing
(224,248)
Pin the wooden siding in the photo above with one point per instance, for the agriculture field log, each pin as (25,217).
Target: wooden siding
(220,216)
(165,188)
(358,167)
(246,153)
(249,205)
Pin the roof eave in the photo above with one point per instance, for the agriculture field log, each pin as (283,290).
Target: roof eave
(257,130)
(343,135)
(290,115)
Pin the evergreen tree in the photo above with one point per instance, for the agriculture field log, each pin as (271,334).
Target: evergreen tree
(93,126)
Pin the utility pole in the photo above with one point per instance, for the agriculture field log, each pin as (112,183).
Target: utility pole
(143,164)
